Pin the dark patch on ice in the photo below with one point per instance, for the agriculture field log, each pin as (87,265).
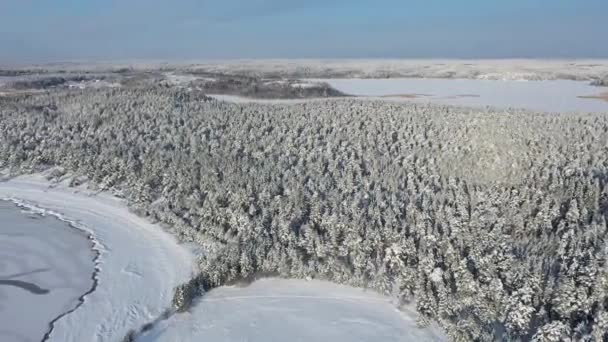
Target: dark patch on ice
(133,334)
(30,287)
(188,294)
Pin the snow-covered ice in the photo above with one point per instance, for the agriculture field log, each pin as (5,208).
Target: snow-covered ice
(560,96)
(549,96)
(292,310)
(139,263)
(45,267)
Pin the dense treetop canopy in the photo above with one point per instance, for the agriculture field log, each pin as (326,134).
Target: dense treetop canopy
(494,223)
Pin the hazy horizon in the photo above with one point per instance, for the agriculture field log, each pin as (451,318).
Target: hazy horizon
(38,31)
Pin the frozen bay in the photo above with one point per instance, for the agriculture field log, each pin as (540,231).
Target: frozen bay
(45,267)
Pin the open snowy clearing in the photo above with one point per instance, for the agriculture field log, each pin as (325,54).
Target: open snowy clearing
(140,264)
(46,266)
(293,310)
(546,96)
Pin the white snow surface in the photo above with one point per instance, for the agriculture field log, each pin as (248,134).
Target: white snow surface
(96,84)
(177,79)
(305,85)
(139,263)
(293,310)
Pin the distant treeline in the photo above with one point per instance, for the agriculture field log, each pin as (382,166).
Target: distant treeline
(494,223)
(211,83)
(601,82)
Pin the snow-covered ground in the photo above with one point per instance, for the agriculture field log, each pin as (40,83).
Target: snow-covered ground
(292,310)
(139,263)
(96,84)
(177,79)
(550,96)
(306,85)
(498,69)
(45,267)
(495,69)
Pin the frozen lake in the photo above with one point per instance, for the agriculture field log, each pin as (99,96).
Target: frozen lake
(45,267)
(548,96)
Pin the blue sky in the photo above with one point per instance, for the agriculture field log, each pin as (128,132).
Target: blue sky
(53,30)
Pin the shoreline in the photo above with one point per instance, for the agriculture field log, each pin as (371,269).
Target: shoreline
(95,248)
(130,296)
(275,309)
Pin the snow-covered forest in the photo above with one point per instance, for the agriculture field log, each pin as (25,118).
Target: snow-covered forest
(493,223)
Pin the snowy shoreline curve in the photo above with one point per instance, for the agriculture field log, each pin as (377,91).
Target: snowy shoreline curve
(139,264)
(272,309)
